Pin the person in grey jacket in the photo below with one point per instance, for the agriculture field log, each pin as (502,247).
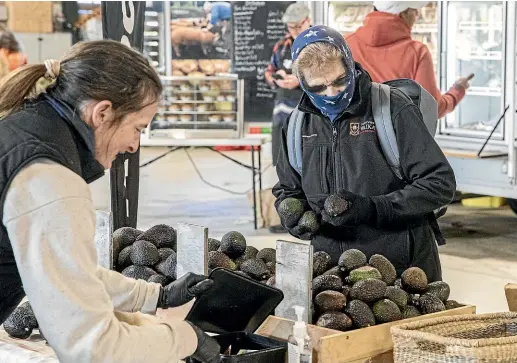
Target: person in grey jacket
(342,155)
(101,96)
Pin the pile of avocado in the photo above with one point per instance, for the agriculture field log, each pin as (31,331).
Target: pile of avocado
(149,255)
(232,253)
(358,292)
(21,323)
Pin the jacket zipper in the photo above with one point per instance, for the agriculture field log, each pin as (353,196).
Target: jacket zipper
(334,170)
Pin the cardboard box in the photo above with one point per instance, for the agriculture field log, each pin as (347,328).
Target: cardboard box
(373,344)
(29,16)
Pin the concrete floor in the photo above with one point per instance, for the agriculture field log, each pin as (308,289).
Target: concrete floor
(478,260)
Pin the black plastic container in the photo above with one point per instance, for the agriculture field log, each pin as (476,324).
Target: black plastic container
(234,308)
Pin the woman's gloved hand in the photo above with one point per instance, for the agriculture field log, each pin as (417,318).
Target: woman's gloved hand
(359,210)
(208,350)
(183,290)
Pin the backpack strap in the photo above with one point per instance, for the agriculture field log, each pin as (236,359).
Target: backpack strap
(294,139)
(381,110)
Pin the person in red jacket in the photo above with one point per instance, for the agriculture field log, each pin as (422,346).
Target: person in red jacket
(383,46)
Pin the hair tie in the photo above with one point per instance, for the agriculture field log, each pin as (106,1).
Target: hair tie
(53,67)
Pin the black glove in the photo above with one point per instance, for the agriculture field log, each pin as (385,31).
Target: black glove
(361,210)
(183,290)
(208,350)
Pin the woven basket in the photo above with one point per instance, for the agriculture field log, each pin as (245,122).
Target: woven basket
(483,338)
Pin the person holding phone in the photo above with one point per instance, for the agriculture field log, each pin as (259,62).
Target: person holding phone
(392,54)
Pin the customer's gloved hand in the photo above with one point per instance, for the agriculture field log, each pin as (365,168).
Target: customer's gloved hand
(208,350)
(360,210)
(183,290)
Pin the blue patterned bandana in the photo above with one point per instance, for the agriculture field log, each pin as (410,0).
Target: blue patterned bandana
(330,106)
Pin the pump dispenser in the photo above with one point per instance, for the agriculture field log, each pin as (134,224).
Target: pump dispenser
(300,344)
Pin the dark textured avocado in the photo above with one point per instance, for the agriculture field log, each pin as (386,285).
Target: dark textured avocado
(330,301)
(326,282)
(218,259)
(250,252)
(144,253)
(165,252)
(335,205)
(360,313)
(21,322)
(125,236)
(410,311)
(233,244)
(414,280)
(320,263)
(363,273)
(256,268)
(336,271)
(452,304)
(138,272)
(124,258)
(397,295)
(369,290)
(161,236)
(290,211)
(168,268)
(309,222)
(271,266)
(267,255)
(213,244)
(159,279)
(386,311)
(385,267)
(429,304)
(352,259)
(335,320)
(440,289)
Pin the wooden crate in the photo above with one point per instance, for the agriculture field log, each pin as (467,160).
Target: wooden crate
(373,344)
(29,16)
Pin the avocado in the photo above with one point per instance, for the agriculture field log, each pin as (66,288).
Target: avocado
(440,289)
(233,244)
(360,313)
(159,279)
(161,236)
(320,263)
(452,304)
(165,252)
(125,236)
(352,259)
(336,270)
(271,281)
(309,222)
(290,211)
(410,311)
(256,268)
(369,290)
(218,259)
(327,282)
(21,322)
(429,304)
(330,301)
(138,272)
(335,205)
(267,255)
(396,295)
(168,268)
(124,258)
(385,267)
(249,252)
(271,266)
(363,273)
(335,320)
(213,244)
(386,311)
(414,280)
(144,253)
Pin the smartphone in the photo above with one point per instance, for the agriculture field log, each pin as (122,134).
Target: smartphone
(277,76)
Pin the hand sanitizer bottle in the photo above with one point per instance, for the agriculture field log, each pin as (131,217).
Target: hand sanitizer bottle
(300,344)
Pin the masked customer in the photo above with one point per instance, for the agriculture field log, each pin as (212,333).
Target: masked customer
(342,155)
(102,95)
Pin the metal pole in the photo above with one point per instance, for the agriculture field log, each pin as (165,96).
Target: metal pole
(511,55)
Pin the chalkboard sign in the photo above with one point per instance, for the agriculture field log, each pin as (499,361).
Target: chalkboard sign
(257,26)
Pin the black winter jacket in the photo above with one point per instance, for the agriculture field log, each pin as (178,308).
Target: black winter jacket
(346,155)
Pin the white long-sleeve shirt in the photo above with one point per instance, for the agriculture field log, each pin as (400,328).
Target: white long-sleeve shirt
(50,219)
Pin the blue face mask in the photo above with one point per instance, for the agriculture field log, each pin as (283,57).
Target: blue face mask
(330,106)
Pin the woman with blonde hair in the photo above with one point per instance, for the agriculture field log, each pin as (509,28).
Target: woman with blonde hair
(342,155)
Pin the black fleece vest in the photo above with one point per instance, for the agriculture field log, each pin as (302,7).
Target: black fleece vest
(44,128)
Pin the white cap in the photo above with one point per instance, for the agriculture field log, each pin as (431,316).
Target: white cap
(397,7)
(296,13)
